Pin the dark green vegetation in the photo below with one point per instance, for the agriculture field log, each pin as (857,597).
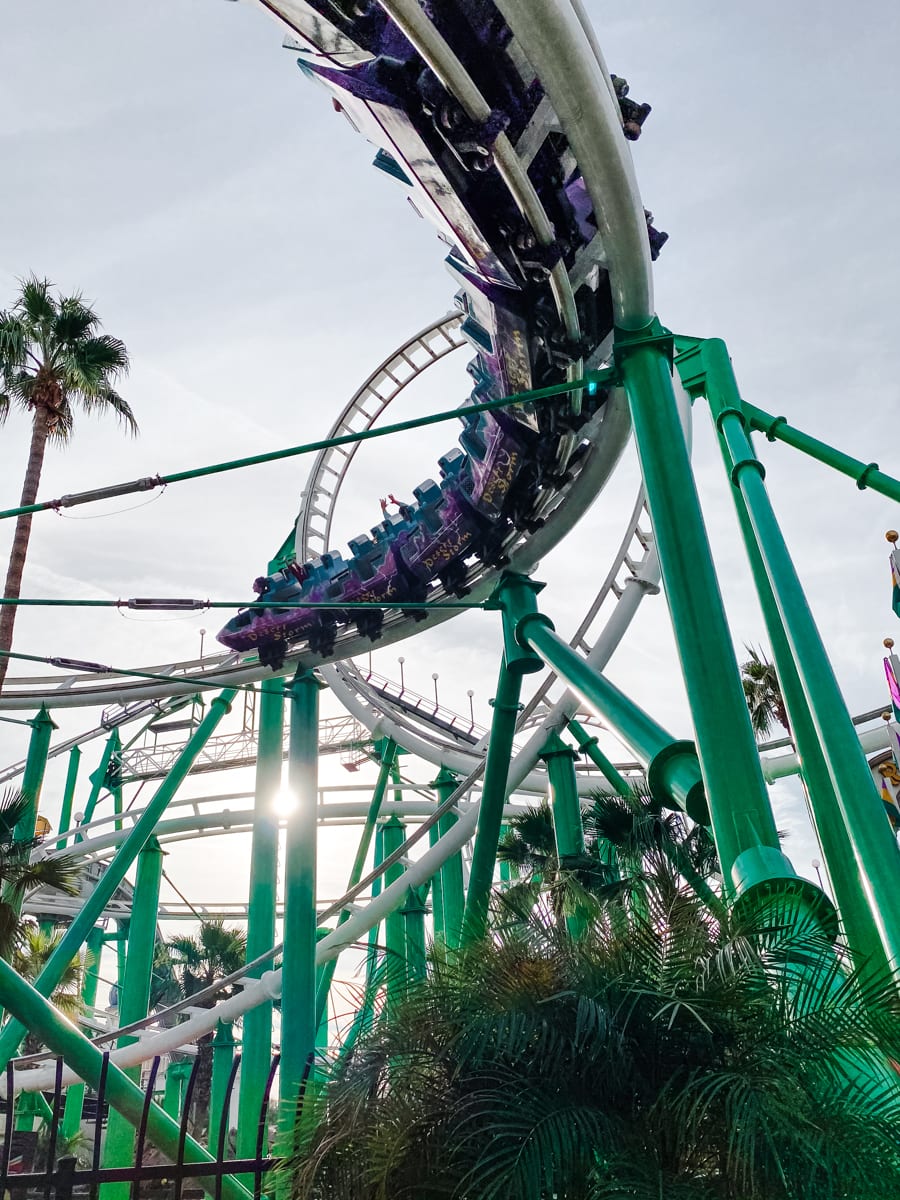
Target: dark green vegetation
(667,1052)
(53,360)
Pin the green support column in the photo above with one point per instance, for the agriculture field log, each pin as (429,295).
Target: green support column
(364,1014)
(746,839)
(738,801)
(514,665)
(99,776)
(65,812)
(873,845)
(177,1075)
(256,1036)
(298,976)
(565,805)
(90,979)
(453,896)
(134,999)
(394,835)
(95,904)
(223,1059)
(588,745)
(413,913)
(33,777)
(438,926)
(61,1037)
(386,750)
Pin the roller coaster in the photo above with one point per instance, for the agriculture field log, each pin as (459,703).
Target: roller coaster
(502,125)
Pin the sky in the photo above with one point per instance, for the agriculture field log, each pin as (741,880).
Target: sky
(169,161)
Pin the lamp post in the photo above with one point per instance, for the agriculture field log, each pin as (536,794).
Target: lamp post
(816,864)
(202,633)
(435,679)
(401,660)
(471,696)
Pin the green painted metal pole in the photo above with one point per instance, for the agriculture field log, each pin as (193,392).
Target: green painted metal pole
(865,475)
(61,1037)
(438,926)
(99,776)
(386,750)
(565,804)
(134,999)
(394,835)
(92,909)
(177,1075)
(453,896)
(739,805)
(256,1038)
(852,902)
(33,777)
(90,980)
(413,912)
(65,812)
(874,848)
(223,1059)
(298,975)
(493,798)
(588,745)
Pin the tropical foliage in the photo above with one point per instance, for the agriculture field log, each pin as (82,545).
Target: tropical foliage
(662,1055)
(19,876)
(53,360)
(762,692)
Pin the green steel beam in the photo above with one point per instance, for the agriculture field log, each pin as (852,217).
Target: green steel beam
(742,820)
(298,973)
(453,898)
(134,998)
(223,1060)
(868,834)
(565,805)
(394,835)
(90,979)
(99,776)
(256,1038)
(493,793)
(65,812)
(588,745)
(413,912)
(103,891)
(61,1037)
(386,750)
(33,776)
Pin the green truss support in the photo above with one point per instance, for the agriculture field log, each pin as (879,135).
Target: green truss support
(565,804)
(588,745)
(90,979)
(33,777)
(99,777)
(95,904)
(65,812)
(859,809)
(223,1060)
(450,878)
(394,835)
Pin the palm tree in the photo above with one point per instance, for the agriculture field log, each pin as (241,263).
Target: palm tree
(19,876)
(762,692)
(52,360)
(197,963)
(662,1056)
(32,952)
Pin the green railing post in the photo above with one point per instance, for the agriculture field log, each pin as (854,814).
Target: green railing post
(869,836)
(61,1037)
(95,904)
(589,745)
(90,979)
(453,898)
(256,1037)
(386,750)
(738,801)
(298,975)
(223,1059)
(65,812)
(33,777)
(134,999)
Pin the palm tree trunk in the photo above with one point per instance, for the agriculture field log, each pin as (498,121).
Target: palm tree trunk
(40,431)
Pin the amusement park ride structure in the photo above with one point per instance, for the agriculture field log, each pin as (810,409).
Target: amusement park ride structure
(506,128)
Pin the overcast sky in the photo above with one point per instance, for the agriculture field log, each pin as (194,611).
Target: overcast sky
(169,160)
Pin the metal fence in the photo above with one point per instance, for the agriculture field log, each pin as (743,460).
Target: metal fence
(34,1166)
